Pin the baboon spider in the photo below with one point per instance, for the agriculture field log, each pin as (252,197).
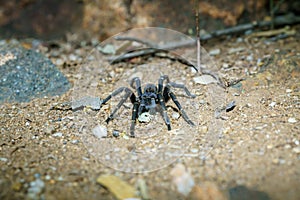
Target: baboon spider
(149,100)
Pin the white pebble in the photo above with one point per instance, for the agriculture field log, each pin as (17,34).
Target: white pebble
(59,62)
(288,90)
(47,177)
(72,57)
(272,104)
(3,159)
(214,52)
(100,131)
(194,150)
(225,65)
(58,134)
(292,120)
(175,115)
(204,79)
(145,117)
(296,149)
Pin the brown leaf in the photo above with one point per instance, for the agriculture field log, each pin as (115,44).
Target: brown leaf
(119,188)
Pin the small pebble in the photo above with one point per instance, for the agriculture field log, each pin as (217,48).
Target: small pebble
(59,62)
(145,117)
(235,50)
(214,52)
(288,90)
(116,133)
(100,131)
(47,177)
(296,150)
(75,141)
(292,120)
(239,40)
(3,159)
(36,188)
(58,134)
(272,104)
(249,58)
(175,115)
(194,150)
(225,65)
(203,129)
(72,57)
(204,79)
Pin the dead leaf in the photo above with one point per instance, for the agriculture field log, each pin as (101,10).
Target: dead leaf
(119,188)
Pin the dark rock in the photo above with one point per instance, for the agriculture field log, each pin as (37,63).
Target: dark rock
(243,193)
(26,74)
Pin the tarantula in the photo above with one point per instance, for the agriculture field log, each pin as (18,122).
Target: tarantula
(149,100)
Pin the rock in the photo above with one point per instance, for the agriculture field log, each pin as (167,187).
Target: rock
(296,150)
(108,49)
(145,117)
(206,191)
(175,115)
(26,74)
(58,134)
(119,188)
(2,159)
(182,179)
(242,192)
(204,79)
(235,50)
(288,90)
(116,133)
(88,101)
(230,106)
(272,104)
(214,52)
(292,120)
(75,141)
(35,189)
(100,131)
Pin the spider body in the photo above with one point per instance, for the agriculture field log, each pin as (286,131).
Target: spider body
(152,99)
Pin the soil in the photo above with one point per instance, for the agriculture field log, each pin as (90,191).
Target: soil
(259,147)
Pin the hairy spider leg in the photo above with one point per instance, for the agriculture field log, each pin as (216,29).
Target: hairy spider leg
(167,94)
(128,93)
(181,110)
(136,103)
(138,88)
(164,110)
(176,85)
(133,118)
(162,101)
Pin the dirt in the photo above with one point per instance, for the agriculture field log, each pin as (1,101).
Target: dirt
(258,147)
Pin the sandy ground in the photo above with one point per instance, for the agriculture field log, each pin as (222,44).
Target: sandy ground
(259,145)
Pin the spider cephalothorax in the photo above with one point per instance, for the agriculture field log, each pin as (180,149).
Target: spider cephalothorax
(151,100)
(148,100)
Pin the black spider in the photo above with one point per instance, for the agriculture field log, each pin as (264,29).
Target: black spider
(148,100)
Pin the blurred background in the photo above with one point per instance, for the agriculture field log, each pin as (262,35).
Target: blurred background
(55,19)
